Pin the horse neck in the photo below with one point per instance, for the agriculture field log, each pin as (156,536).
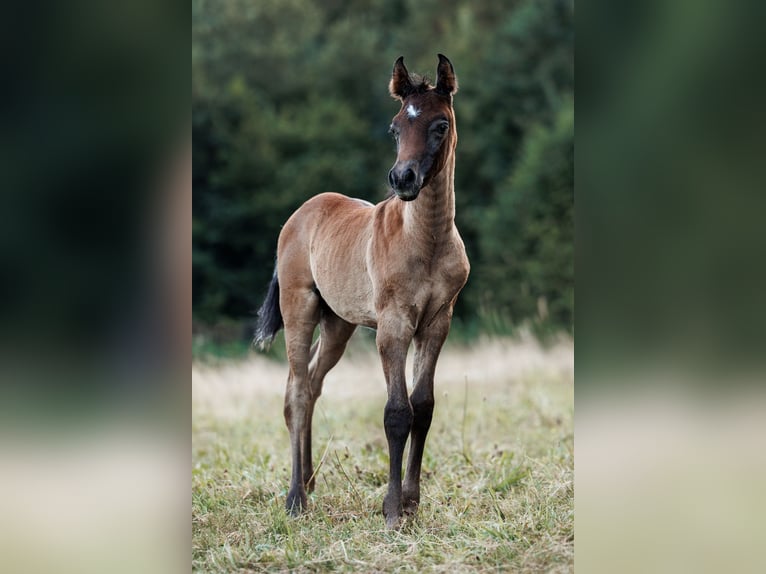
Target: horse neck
(431,217)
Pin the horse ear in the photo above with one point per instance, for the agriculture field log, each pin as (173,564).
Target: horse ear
(400,85)
(446,81)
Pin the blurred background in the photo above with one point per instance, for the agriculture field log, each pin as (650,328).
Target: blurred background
(95,270)
(671,323)
(290,99)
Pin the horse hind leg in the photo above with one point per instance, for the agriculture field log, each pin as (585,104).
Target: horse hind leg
(300,310)
(334,334)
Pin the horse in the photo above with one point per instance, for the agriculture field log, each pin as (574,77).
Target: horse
(396,267)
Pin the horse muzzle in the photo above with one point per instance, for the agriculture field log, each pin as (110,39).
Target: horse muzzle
(405,180)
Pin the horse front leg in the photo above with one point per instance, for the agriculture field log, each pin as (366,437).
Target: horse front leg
(428,345)
(393,340)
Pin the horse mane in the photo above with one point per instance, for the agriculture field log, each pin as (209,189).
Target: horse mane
(420,84)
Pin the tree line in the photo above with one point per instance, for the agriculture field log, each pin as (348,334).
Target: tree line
(290,99)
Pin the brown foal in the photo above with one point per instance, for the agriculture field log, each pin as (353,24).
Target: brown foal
(396,267)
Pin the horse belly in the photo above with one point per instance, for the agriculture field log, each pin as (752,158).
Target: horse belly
(348,294)
(354,310)
(341,277)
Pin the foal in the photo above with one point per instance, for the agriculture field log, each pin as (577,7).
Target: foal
(397,267)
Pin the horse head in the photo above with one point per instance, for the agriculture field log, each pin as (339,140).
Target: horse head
(424,128)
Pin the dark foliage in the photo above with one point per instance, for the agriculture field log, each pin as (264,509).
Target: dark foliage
(290,99)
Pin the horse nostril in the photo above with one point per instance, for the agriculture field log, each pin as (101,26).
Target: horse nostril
(402,178)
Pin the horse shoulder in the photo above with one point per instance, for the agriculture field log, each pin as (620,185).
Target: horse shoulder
(454,265)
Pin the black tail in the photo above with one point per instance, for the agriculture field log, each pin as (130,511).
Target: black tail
(269,316)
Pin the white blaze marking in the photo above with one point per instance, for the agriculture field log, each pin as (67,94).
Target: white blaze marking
(412,111)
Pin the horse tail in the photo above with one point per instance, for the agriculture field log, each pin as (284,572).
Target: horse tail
(269,316)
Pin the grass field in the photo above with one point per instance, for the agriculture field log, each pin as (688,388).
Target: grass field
(497,490)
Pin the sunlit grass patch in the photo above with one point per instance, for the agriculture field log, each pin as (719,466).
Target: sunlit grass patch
(497,489)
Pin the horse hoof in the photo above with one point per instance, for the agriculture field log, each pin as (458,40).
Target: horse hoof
(410,499)
(293,509)
(296,503)
(392,510)
(410,507)
(393,522)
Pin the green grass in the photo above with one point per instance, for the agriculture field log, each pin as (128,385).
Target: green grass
(497,486)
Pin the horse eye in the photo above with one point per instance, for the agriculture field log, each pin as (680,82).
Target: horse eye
(441,128)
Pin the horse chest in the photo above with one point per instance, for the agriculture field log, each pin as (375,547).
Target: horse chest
(420,282)
(448,275)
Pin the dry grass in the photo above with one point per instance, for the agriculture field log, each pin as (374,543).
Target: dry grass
(497,490)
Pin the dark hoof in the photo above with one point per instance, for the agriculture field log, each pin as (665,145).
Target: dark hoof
(410,501)
(296,502)
(393,522)
(392,510)
(410,507)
